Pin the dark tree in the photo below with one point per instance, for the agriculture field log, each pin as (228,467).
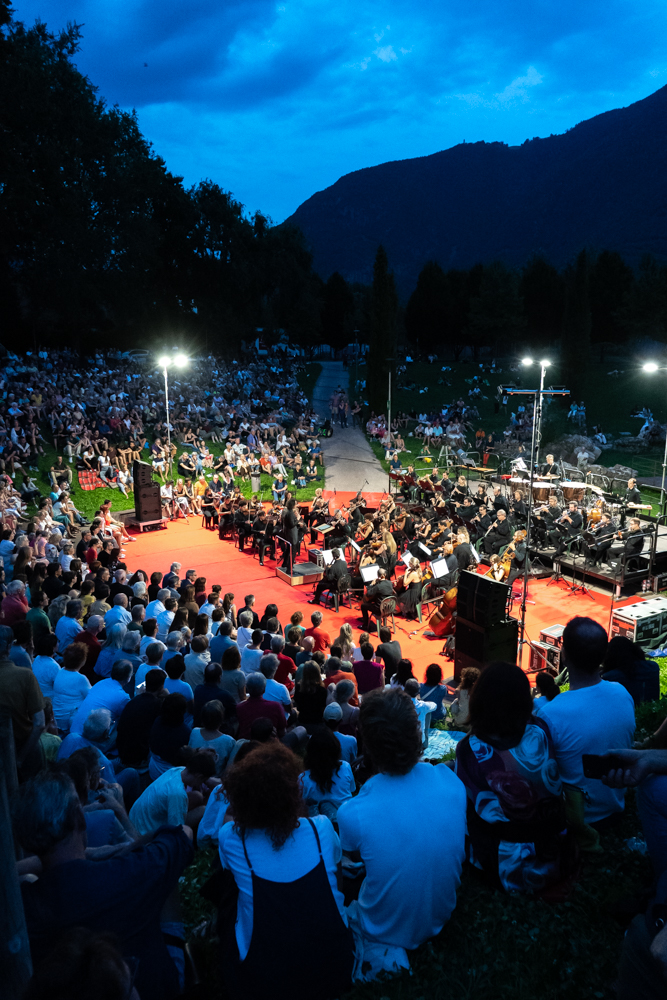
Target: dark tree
(383,332)
(543,292)
(496,311)
(645,311)
(576,340)
(611,284)
(428,308)
(337,312)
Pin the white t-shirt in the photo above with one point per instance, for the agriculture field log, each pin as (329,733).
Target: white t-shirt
(423,709)
(591,720)
(69,691)
(297,857)
(250,659)
(243,636)
(45,670)
(213,817)
(404,904)
(275,691)
(342,787)
(164,803)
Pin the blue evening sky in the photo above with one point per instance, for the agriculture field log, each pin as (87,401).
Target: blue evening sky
(276,100)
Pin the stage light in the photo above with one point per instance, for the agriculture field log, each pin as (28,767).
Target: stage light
(180,360)
(650,366)
(527,361)
(164,361)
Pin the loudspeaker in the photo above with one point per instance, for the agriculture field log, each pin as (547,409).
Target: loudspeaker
(147,505)
(477,645)
(142,473)
(480,599)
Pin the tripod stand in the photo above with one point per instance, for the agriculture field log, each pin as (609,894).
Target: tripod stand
(576,588)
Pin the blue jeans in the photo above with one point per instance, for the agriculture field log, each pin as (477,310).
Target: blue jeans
(652,807)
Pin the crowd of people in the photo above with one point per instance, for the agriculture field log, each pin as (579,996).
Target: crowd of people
(154,716)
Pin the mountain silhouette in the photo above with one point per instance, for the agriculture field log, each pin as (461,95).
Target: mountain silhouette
(601,185)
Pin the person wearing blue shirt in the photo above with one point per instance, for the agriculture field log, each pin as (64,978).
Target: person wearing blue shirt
(221,642)
(279,488)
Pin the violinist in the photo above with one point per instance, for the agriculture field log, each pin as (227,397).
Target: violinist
(356,515)
(599,540)
(242,523)
(364,531)
(209,509)
(517,550)
(422,534)
(341,534)
(366,558)
(412,589)
(390,547)
(450,578)
(566,528)
(404,528)
(498,534)
(332,574)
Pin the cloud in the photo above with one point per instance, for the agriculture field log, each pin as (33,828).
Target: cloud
(275,100)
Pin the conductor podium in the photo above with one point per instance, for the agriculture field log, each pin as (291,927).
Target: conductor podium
(484,633)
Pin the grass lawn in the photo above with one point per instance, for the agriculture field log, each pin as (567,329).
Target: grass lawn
(609,403)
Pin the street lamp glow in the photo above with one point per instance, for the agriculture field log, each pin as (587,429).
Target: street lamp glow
(650,366)
(164,361)
(527,361)
(545,364)
(180,360)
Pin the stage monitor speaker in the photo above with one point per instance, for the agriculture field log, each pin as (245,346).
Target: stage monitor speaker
(147,505)
(142,473)
(477,645)
(480,599)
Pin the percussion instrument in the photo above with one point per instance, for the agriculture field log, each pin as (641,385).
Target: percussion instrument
(542,491)
(518,480)
(595,489)
(573,491)
(594,516)
(638,506)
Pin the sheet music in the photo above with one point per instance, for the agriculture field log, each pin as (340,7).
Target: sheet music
(327,557)
(354,545)
(406,558)
(439,568)
(369,573)
(424,549)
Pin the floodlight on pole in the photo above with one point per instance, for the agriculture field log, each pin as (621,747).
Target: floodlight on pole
(651,367)
(527,362)
(180,360)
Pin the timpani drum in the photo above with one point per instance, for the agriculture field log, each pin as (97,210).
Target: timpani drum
(542,490)
(573,491)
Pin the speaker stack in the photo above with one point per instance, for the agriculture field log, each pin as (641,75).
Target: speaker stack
(147,503)
(483,631)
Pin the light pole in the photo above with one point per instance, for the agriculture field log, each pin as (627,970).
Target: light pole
(651,367)
(180,360)
(537,423)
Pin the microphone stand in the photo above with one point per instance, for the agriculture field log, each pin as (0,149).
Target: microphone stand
(576,588)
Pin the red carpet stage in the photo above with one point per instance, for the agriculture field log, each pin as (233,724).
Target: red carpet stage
(239,572)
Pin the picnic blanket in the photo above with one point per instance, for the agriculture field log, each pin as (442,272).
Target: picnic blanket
(89,480)
(441,743)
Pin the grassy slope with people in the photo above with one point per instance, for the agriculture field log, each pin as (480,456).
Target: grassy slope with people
(88,501)
(609,403)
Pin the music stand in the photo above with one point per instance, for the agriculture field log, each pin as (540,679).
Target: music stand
(369,574)
(576,588)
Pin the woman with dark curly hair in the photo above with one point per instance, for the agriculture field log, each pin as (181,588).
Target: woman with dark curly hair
(284,866)
(516,824)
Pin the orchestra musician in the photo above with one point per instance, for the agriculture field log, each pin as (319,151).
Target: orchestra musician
(450,578)
(460,491)
(499,501)
(633,540)
(497,569)
(467,510)
(518,550)
(409,487)
(481,522)
(209,508)
(546,517)
(411,595)
(341,534)
(446,484)
(465,557)
(375,594)
(242,523)
(519,509)
(632,496)
(332,574)
(567,527)
(479,498)
(498,534)
(290,532)
(550,468)
(599,540)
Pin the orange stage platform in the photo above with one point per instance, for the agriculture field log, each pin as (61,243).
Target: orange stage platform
(239,572)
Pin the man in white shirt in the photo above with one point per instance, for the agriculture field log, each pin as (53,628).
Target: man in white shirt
(210,604)
(274,691)
(166,802)
(251,655)
(68,627)
(424,709)
(593,717)
(156,607)
(119,615)
(165,619)
(406,800)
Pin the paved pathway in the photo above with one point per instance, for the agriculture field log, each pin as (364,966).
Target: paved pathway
(348,457)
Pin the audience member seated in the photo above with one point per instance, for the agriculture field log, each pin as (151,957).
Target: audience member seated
(516,821)
(327,781)
(349,714)
(626,663)
(310,697)
(233,679)
(210,736)
(167,801)
(404,802)
(168,736)
(136,721)
(460,707)
(268,843)
(545,691)
(369,674)
(592,717)
(257,707)
(211,690)
(434,690)
(333,717)
(70,687)
(122,895)
(424,709)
